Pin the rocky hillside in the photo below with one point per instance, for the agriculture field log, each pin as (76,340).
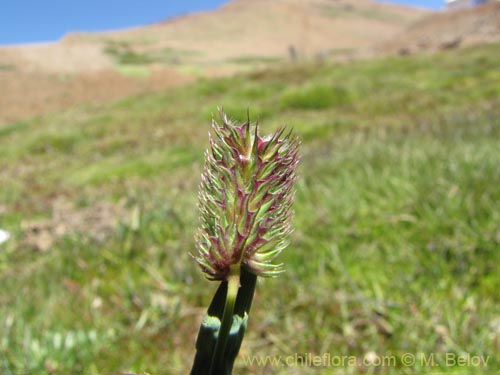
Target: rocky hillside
(446,30)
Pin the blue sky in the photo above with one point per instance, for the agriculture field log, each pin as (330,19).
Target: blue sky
(26,21)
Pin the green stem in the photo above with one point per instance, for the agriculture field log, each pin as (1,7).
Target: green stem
(212,334)
(233,284)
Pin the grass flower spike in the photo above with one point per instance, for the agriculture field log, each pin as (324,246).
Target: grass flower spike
(245,202)
(245,199)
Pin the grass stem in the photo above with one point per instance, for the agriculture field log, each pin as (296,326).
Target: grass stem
(218,366)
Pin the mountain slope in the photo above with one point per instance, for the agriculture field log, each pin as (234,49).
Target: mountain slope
(241,35)
(448,30)
(268,28)
(258,28)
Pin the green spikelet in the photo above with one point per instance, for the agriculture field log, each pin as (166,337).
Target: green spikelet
(245,199)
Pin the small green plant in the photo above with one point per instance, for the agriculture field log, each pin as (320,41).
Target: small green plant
(245,202)
(315,97)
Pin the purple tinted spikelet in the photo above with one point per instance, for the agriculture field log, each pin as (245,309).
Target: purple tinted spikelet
(245,199)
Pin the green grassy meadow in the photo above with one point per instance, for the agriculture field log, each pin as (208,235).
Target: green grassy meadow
(397,225)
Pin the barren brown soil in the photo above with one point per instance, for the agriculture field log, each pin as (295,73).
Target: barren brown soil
(36,79)
(30,94)
(448,30)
